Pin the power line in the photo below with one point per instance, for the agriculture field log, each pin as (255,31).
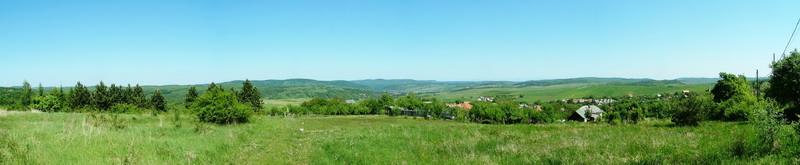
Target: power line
(790,38)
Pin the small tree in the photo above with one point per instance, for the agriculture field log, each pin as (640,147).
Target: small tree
(730,86)
(690,110)
(768,120)
(217,106)
(138,97)
(41,90)
(157,101)
(190,97)
(100,97)
(79,96)
(386,103)
(250,95)
(26,94)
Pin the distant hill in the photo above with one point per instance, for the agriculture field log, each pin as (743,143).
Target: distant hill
(426,86)
(651,83)
(302,82)
(696,80)
(584,80)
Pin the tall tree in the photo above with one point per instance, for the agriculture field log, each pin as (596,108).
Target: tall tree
(138,97)
(113,94)
(731,86)
(386,102)
(100,97)
(785,83)
(26,95)
(211,86)
(79,96)
(127,95)
(41,90)
(157,101)
(250,94)
(190,97)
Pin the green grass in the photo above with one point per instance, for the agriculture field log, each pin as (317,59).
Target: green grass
(72,138)
(559,92)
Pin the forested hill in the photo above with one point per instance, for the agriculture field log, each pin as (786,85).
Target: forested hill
(426,86)
(301,82)
(712,80)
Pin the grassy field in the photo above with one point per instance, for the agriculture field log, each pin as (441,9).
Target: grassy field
(558,92)
(74,138)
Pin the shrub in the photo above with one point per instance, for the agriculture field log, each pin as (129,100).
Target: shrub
(614,118)
(49,103)
(217,106)
(689,111)
(768,120)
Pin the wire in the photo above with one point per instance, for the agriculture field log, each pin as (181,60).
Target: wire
(790,38)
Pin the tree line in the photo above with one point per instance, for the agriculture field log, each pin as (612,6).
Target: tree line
(114,98)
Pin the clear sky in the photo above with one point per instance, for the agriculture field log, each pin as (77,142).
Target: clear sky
(189,42)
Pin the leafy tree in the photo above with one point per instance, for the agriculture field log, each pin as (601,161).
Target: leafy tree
(731,86)
(250,95)
(785,83)
(386,103)
(372,106)
(734,97)
(100,97)
(50,103)
(157,101)
(26,94)
(190,97)
(217,106)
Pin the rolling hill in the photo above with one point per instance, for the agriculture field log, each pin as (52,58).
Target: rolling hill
(583,80)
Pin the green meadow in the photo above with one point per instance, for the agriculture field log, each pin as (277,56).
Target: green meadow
(84,138)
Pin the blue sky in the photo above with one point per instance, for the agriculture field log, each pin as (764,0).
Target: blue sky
(190,42)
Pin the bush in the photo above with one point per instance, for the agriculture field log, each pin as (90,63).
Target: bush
(768,120)
(217,106)
(614,118)
(49,103)
(690,111)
